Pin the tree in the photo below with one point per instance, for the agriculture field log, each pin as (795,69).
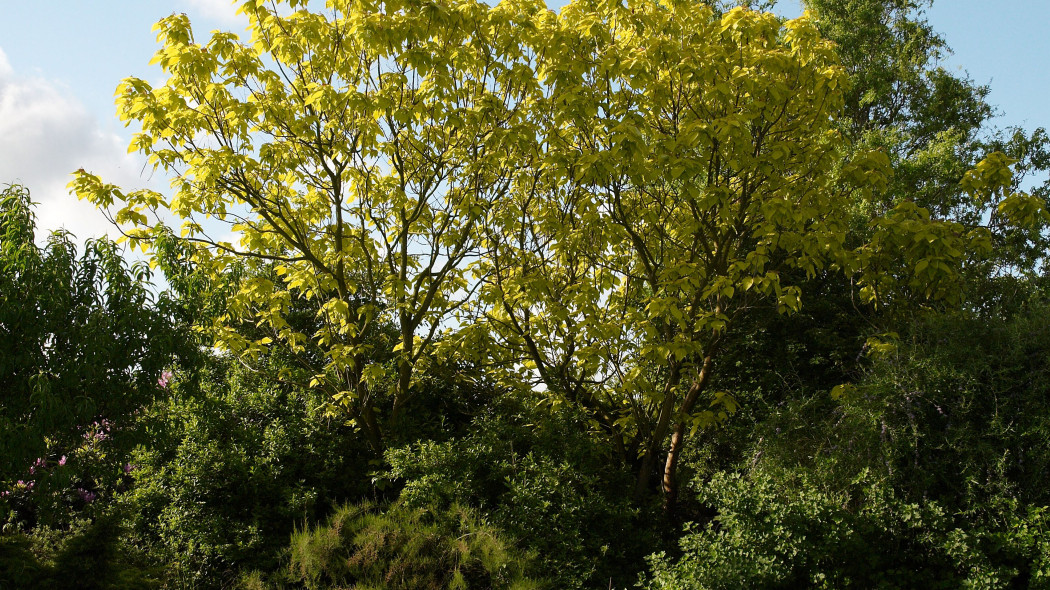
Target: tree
(81,338)
(606,192)
(934,125)
(690,159)
(357,151)
(693,172)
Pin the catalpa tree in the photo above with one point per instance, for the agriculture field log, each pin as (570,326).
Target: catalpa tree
(689,159)
(586,201)
(357,152)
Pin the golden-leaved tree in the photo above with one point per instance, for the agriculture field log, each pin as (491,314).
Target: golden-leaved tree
(689,159)
(358,151)
(586,201)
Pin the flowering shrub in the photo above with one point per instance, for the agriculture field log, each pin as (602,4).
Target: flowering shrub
(83,338)
(163,380)
(61,486)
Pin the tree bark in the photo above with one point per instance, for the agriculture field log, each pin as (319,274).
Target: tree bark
(662,424)
(371,427)
(670,485)
(674,452)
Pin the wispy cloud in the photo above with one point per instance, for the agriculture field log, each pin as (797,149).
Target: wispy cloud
(223,11)
(46,134)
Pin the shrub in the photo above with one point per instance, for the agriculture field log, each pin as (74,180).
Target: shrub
(782,531)
(86,554)
(537,476)
(363,547)
(235,460)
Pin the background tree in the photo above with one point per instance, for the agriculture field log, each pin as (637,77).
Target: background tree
(81,338)
(355,150)
(690,160)
(932,122)
(84,346)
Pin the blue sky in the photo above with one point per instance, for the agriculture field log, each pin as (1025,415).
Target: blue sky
(60,61)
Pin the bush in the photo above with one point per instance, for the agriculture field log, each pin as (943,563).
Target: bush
(536,475)
(957,411)
(363,547)
(782,531)
(236,458)
(87,554)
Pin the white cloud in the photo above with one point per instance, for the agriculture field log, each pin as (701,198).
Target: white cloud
(46,134)
(224,11)
(5,66)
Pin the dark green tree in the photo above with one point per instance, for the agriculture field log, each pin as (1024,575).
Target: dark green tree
(84,347)
(81,338)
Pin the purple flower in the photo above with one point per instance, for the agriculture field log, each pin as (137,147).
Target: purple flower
(86,495)
(165,377)
(128,467)
(62,461)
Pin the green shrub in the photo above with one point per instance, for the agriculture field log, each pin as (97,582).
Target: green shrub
(363,547)
(87,554)
(538,477)
(232,467)
(782,531)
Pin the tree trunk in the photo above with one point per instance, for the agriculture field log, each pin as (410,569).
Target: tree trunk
(662,424)
(404,370)
(670,485)
(404,384)
(371,427)
(674,453)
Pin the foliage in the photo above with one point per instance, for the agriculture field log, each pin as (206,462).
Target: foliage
(590,200)
(934,126)
(362,172)
(82,345)
(493,268)
(72,482)
(378,186)
(780,530)
(88,554)
(894,60)
(530,473)
(957,412)
(670,202)
(933,461)
(235,458)
(81,339)
(365,547)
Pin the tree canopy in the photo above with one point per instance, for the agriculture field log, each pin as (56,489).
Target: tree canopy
(586,202)
(459,295)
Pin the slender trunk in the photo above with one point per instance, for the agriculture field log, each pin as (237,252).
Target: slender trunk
(662,424)
(404,369)
(674,453)
(670,485)
(371,428)
(363,411)
(404,382)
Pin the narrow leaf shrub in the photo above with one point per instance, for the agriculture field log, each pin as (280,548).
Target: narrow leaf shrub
(364,547)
